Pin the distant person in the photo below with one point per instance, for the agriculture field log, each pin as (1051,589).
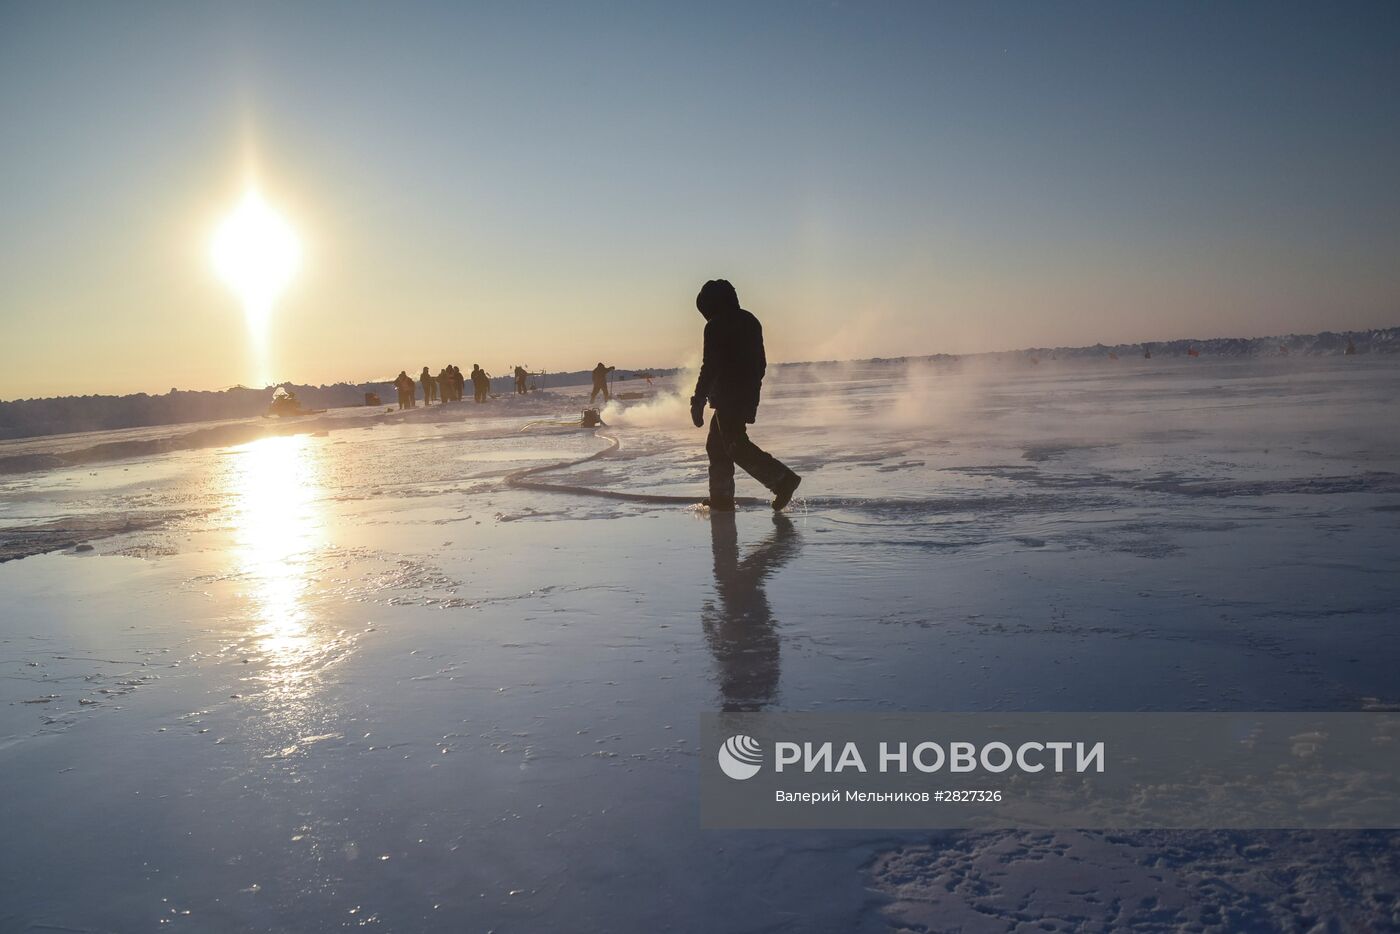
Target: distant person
(429,386)
(1351,348)
(600,382)
(458,381)
(445,384)
(731,376)
(521,381)
(404,384)
(481,382)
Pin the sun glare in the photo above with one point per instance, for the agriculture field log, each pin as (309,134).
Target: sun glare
(273,493)
(256,253)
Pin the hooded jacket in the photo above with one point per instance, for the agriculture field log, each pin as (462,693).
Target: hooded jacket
(731,374)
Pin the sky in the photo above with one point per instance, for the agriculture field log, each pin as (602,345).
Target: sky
(550,184)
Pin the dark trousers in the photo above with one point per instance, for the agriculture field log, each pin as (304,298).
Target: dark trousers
(729,444)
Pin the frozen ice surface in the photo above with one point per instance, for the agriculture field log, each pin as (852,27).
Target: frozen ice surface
(354,679)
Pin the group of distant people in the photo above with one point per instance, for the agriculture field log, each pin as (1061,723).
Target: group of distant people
(449,383)
(447,386)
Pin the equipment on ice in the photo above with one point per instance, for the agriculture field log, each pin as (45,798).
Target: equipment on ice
(284,404)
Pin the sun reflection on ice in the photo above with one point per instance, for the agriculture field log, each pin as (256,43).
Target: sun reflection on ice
(275,495)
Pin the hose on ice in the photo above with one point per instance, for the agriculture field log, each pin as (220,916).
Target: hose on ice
(521,479)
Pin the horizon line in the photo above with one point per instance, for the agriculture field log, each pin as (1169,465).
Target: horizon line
(924,356)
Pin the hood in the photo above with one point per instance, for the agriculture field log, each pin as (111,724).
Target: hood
(717,297)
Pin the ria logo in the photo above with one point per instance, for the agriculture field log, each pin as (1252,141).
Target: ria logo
(741,757)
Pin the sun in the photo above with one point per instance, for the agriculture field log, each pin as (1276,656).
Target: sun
(256,253)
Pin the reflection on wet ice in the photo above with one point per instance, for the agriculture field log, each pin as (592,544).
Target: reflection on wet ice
(739,627)
(274,494)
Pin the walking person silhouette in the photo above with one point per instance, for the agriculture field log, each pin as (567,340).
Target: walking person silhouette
(731,376)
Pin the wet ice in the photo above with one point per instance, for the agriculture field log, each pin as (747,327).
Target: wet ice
(327,650)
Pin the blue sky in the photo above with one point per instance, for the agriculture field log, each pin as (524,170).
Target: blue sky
(550,183)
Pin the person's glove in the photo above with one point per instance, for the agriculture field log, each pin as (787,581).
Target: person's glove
(697,411)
